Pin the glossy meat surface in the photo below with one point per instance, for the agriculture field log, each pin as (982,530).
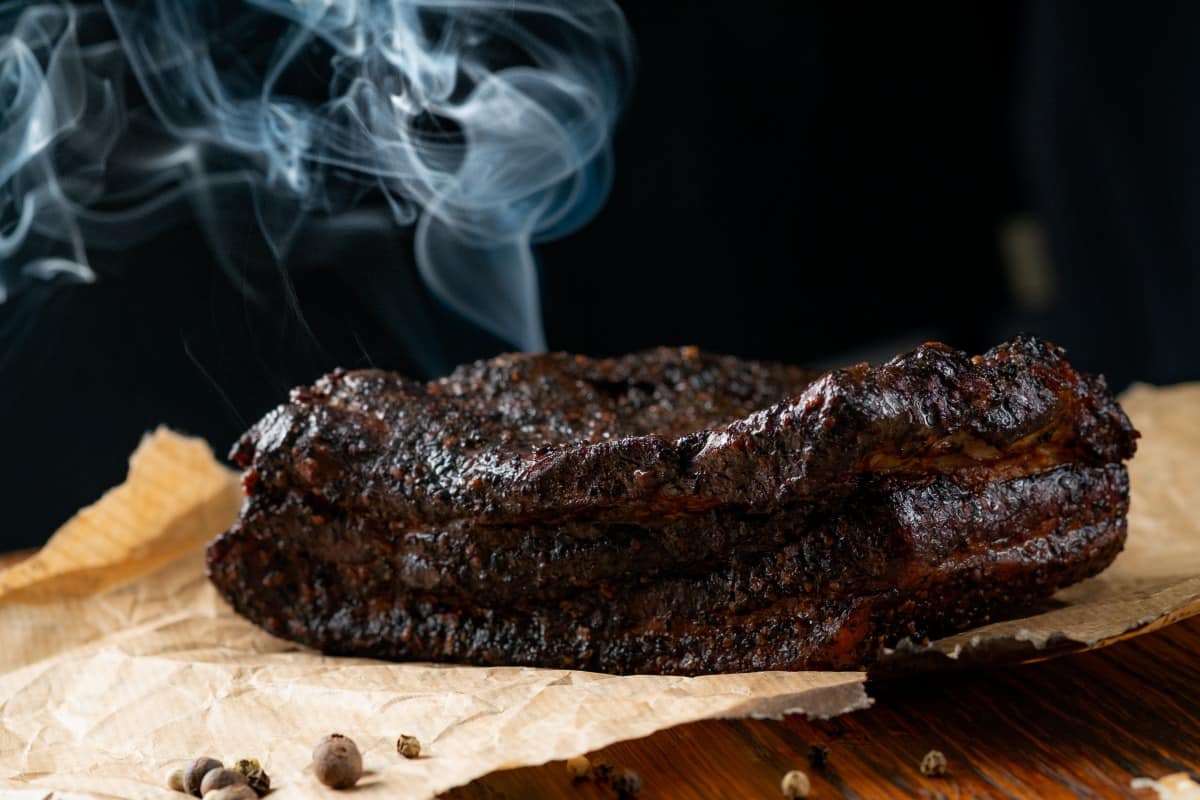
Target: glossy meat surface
(670,431)
(672,511)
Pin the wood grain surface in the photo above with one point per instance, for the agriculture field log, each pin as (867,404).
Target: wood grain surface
(1079,726)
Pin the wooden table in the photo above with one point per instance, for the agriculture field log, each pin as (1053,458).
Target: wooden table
(1078,726)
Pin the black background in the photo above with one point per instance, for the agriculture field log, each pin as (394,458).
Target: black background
(797,183)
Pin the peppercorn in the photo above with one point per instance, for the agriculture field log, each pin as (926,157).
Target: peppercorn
(194,773)
(579,767)
(408,746)
(337,762)
(220,778)
(258,780)
(818,756)
(933,765)
(626,783)
(601,771)
(239,791)
(795,785)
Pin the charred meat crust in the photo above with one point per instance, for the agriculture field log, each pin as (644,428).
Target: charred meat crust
(673,511)
(883,527)
(829,596)
(671,431)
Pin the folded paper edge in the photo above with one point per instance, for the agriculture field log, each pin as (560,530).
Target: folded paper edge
(909,657)
(183,496)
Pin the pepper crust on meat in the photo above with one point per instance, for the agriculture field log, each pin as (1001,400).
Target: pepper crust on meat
(672,511)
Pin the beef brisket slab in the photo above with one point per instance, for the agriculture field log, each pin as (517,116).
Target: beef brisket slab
(672,511)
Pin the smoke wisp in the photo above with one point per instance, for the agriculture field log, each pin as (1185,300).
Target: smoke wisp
(485,125)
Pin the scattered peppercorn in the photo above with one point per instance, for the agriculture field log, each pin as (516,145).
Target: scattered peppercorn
(219,779)
(337,762)
(795,785)
(175,780)
(933,764)
(601,771)
(626,783)
(258,780)
(194,773)
(247,765)
(408,746)
(818,756)
(579,767)
(239,791)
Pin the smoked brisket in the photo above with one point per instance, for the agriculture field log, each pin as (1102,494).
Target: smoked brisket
(671,511)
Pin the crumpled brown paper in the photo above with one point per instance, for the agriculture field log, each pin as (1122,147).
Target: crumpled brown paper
(119,661)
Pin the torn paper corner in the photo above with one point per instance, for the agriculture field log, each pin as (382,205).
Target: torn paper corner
(174,498)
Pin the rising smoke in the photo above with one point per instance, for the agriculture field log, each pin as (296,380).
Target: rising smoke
(483,124)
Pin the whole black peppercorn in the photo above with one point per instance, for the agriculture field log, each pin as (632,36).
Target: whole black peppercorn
(220,778)
(601,771)
(256,777)
(795,785)
(246,765)
(175,780)
(337,762)
(626,783)
(194,773)
(818,755)
(408,746)
(933,765)
(238,791)
(579,767)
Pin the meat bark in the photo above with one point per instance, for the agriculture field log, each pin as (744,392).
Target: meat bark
(672,511)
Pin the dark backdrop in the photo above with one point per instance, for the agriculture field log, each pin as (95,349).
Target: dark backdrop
(792,183)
